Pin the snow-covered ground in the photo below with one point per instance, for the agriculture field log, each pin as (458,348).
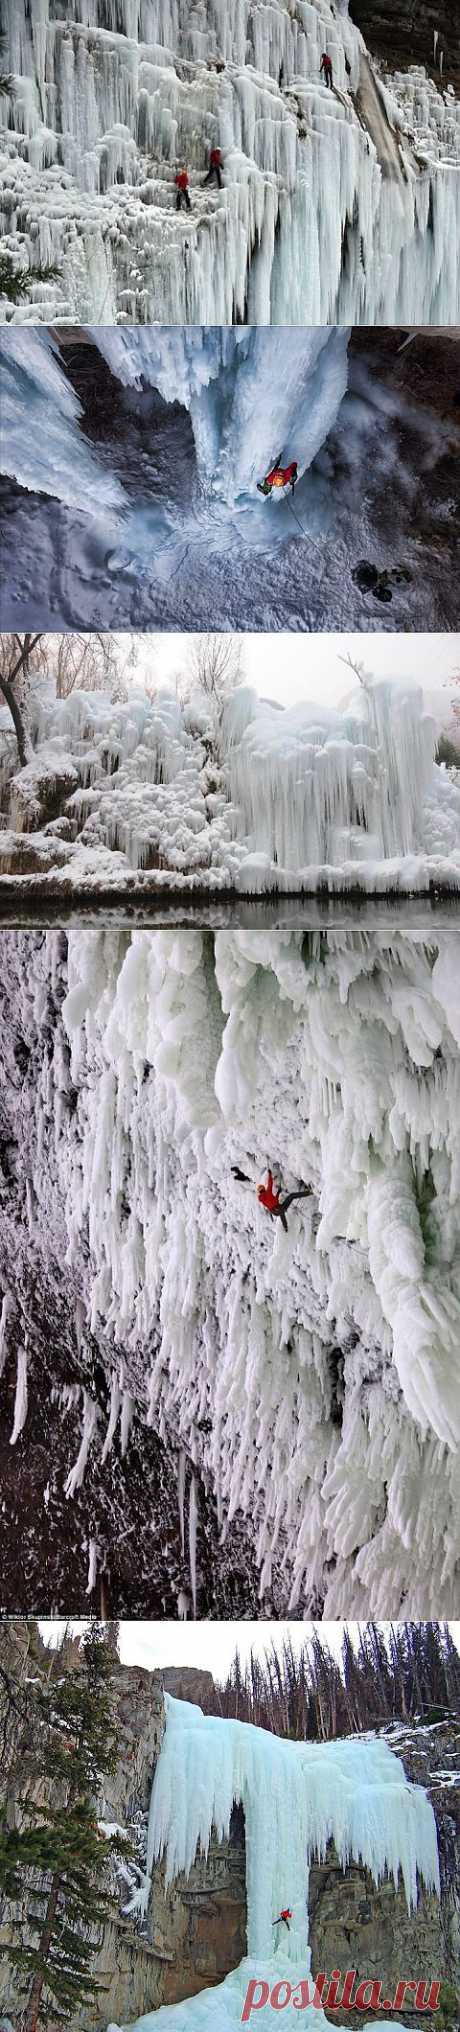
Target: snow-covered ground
(338,206)
(133,497)
(153,795)
(310,1375)
(296,1797)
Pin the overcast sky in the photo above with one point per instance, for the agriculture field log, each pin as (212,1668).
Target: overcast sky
(292,667)
(212,1645)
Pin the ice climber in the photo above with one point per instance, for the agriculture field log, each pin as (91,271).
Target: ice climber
(279,476)
(326,66)
(269,1197)
(215,171)
(285,1916)
(182,190)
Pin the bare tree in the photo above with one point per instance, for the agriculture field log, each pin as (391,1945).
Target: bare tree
(455,702)
(215,666)
(95,662)
(358,669)
(18,655)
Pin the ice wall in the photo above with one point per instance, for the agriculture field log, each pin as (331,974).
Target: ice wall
(276,1360)
(338,206)
(318,785)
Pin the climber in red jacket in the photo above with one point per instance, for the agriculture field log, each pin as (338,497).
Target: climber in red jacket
(279,476)
(285,1916)
(182,190)
(215,168)
(326,66)
(270,1198)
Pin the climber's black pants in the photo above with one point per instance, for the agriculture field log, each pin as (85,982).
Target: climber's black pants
(183,198)
(215,171)
(328,79)
(281,1211)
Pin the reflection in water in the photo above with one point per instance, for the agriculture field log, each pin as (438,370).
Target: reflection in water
(291,913)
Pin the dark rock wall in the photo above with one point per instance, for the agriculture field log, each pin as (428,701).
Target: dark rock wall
(402,32)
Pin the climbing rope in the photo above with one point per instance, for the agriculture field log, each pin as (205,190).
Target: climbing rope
(304,532)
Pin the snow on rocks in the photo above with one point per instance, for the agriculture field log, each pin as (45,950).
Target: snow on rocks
(296,1797)
(338,206)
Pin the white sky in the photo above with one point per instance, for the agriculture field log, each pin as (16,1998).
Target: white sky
(212,1646)
(294,667)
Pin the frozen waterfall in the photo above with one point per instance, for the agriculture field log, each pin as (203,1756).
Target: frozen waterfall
(296,1797)
(250,394)
(338,206)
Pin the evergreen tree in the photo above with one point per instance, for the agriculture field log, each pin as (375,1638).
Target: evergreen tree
(56,1861)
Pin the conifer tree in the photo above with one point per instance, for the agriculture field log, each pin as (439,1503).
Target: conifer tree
(56,1861)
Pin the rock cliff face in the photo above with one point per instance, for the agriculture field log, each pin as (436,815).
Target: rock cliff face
(195,1931)
(404,31)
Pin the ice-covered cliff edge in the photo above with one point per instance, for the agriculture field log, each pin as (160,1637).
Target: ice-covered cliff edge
(338,206)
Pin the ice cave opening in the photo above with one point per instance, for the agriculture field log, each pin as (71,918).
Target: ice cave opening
(296,1797)
(337,205)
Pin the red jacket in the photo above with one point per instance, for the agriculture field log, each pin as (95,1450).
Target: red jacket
(270,1199)
(182,179)
(215,158)
(280,475)
(326,63)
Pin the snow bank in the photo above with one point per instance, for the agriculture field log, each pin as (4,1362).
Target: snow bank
(308,1374)
(296,1798)
(337,206)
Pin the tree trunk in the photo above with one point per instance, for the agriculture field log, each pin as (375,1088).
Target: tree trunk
(7,687)
(16,716)
(31,2014)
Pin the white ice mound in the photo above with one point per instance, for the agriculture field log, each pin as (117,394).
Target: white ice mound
(338,206)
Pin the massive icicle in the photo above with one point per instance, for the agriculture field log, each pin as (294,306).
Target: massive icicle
(296,1798)
(42,446)
(338,206)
